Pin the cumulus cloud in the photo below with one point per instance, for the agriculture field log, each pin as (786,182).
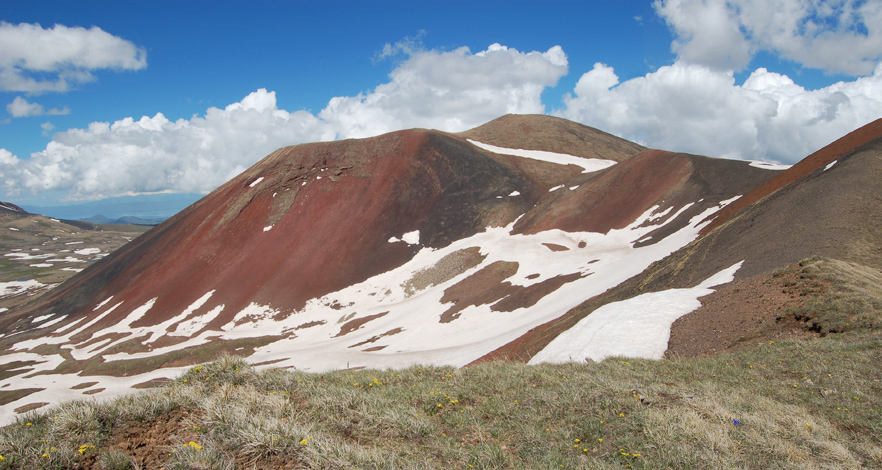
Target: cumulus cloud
(36,60)
(154,154)
(694,105)
(836,36)
(20,107)
(450,91)
(698,109)
(442,90)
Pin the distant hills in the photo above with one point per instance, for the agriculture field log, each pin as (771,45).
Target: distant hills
(143,206)
(100,219)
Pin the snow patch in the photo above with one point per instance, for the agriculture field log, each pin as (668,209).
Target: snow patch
(88,251)
(411,238)
(556,188)
(102,303)
(14,229)
(768,165)
(588,165)
(19,256)
(255,182)
(191,326)
(636,327)
(69,259)
(267,228)
(52,322)
(729,201)
(830,165)
(11,288)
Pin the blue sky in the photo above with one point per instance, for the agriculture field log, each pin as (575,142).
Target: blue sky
(741,79)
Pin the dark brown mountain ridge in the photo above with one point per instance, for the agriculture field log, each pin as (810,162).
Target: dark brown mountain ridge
(815,208)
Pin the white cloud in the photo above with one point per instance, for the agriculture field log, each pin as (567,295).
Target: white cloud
(153,154)
(408,46)
(450,91)
(684,107)
(694,104)
(694,108)
(7,158)
(47,128)
(67,55)
(443,90)
(835,36)
(20,107)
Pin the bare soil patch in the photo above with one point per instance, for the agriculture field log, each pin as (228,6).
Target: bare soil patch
(742,314)
(149,442)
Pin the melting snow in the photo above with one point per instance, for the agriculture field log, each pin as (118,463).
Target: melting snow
(52,322)
(636,327)
(411,238)
(19,256)
(14,229)
(267,228)
(69,259)
(11,288)
(102,304)
(255,182)
(768,166)
(729,201)
(556,188)
(604,261)
(514,193)
(829,165)
(88,251)
(588,165)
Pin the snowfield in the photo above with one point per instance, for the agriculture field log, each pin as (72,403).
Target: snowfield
(386,321)
(588,165)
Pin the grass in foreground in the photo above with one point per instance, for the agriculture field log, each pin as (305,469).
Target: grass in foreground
(798,404)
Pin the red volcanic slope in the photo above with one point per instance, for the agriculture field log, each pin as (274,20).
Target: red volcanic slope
(808,210)
(305,221)
(315,218)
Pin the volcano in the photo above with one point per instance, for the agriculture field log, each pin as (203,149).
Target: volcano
(421,246)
